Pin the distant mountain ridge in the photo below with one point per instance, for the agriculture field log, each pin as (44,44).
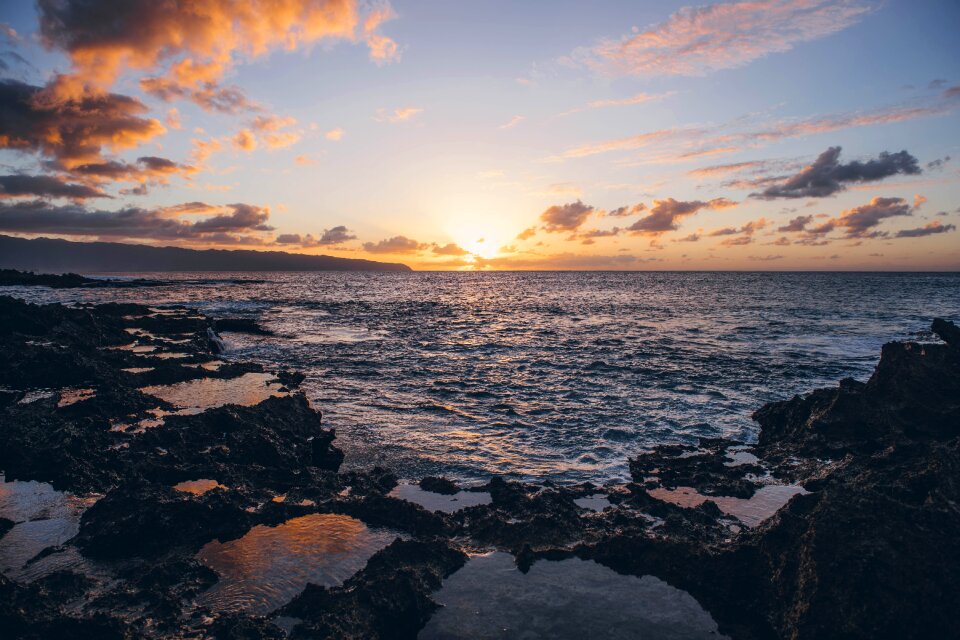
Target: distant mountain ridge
(50,255)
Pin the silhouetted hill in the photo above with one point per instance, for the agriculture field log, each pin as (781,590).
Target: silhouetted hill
(45,254)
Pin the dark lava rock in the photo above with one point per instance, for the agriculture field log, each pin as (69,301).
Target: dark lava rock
(704,468)
(521,514)
(12,277)
(5,525)
(241,325)
(27,613)
(388,599)
(140,519)
(439,485)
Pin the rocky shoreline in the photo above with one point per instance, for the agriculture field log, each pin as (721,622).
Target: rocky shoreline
(164,460)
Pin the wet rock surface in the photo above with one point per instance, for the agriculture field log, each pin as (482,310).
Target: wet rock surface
(866,549)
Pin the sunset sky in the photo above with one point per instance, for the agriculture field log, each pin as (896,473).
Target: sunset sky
(772,134)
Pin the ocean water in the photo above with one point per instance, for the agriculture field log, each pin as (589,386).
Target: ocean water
(551,376)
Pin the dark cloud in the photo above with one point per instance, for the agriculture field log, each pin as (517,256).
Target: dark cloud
(861,221)
(727,231)
(826,176)
(396,244)
(796,224)
(565,217)
(72,130)
(449,249)
(145,169)
(45,187)
(938,163)
(336,235)
(693,237)
(208,95)
(664,214)
(738,241)
(38,216)
(622,212)
(927,230)
(243,217)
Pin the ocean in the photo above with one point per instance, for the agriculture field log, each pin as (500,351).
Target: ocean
(550,376)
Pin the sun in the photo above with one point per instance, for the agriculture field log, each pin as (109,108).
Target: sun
(480,240)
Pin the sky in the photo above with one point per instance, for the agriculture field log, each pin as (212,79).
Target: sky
(761,135)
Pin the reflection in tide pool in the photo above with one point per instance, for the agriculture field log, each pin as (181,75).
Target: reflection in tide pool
(199,395)
(433,501)
(268,566)
(45,518)
(490,598)
(751,511)
(198,487)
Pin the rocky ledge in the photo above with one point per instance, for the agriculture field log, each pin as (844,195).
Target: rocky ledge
(165,468)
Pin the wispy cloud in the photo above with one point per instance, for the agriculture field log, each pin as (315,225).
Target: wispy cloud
(514,121)
(687,143)
(401,114)
(697,40)
(639,98)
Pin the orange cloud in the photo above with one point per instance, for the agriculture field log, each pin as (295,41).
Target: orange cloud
(198,42)
(73,131)
(398,115)
(244,140)
(639,98)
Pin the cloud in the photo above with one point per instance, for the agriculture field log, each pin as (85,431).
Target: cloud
(686,143)
(37,216)
(723,169)
(639,98)
(826,176)
(333,236)
(396,244)
(927,230)
(561,261)
(514,121)
(693,237)
(860,222)
(450,249)
(244,140)
(664,214)
(768,258)
(73,131)
(623,212)
(738,241)
(565,217)
(147,169)
(197,42)
(527,233)
(383,50)
(796,224)
(45,187)
(336,235)
(334,134)
(727,231)
(697,40)
(398,115)
(207,95)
